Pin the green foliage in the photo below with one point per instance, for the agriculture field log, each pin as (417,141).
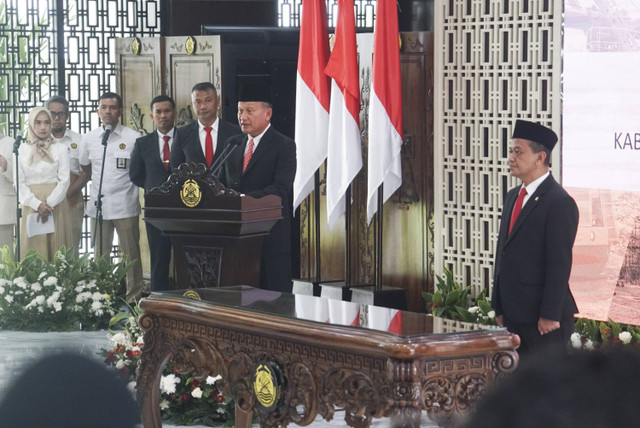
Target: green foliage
(62,295)
(451,300)
(594,334)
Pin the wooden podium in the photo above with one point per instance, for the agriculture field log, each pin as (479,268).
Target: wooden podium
(217,234)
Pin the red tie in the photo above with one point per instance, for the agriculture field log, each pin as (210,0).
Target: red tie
(208,144)
(166,153)
(517,208)
(247,156)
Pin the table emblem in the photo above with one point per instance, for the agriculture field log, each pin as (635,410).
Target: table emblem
(267,385)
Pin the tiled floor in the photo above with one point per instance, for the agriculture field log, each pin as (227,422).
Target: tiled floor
(20,349)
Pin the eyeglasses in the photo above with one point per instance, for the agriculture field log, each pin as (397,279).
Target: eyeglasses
(60,115)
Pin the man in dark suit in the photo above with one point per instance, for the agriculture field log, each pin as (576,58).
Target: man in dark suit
(202,141)
(264,163)
(150,167)
(531,294)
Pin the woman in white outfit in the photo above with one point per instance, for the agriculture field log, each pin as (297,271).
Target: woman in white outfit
(44,180)
(7,193)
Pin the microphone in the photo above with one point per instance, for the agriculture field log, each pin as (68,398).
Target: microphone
(17,141)
(105,136)
(226,152)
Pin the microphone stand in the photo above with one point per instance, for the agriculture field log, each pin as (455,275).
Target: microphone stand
(98,224)
(16,146)
(217,167)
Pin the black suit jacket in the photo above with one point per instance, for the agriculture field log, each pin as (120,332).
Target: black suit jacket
(270,171)
(187,146)
(533,263)
(146,169)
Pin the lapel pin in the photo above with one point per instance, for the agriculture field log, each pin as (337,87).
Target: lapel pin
(536,199)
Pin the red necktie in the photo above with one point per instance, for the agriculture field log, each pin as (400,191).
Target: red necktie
(517,208)
(166,153)
(247,156)
(208,144)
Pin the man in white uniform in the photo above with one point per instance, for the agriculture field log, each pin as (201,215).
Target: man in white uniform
(7,193)
(58,106)
(120,203)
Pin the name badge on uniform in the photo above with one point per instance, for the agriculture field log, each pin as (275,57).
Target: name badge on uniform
(121,163)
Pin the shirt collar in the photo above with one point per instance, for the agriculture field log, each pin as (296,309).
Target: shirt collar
(214,126)
(257,138)
(533,186)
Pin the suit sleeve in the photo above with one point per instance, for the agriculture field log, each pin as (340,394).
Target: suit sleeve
(137,171)
(561,229)
(177,153)
(285,172)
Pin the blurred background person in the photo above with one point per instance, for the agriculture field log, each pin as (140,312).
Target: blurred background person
(58,106)
(7,193)
(43,174)
(80,393)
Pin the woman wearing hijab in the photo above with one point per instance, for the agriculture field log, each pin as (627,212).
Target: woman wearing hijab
(44,179)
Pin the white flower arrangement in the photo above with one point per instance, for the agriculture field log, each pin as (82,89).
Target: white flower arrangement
(66,294)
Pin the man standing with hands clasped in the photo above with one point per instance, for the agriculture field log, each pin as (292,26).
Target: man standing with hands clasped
(150,168)
(531,294)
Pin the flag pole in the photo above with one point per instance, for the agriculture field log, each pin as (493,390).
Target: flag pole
(316,202)
(378,285)
(347,225)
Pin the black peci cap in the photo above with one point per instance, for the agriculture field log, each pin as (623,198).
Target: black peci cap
(254,92)
(535,132)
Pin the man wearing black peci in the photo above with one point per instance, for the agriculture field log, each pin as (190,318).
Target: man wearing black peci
(531,294)
(264,163)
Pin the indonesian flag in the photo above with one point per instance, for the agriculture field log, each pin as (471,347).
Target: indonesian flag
(385,108)
(385,319)
(344,155)
(312,97)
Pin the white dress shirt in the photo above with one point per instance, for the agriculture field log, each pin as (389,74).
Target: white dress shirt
(7,192)
(119,194)
(161,141)
(533,186)
(203,135)
(73,141)
(256,140)
(43,172)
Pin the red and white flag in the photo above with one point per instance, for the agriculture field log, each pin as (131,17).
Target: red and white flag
(385,319)
(385,108)
(344,155)
(312,97)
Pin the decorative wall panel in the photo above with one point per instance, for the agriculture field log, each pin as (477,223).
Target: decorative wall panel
(496,61)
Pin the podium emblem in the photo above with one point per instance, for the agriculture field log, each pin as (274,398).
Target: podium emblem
(192,294)
(267,385)
(190,193)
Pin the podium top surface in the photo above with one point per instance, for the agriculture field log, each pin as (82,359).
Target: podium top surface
(316,309)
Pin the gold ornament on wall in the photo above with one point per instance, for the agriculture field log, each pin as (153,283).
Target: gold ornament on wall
(190,45)
(135,46)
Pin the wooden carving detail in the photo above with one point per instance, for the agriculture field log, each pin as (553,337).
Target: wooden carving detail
(317,379)
(203,266)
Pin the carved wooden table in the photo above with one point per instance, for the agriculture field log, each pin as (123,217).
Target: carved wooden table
(292,357)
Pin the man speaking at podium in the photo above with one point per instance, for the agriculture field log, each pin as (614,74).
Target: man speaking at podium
(264,163)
